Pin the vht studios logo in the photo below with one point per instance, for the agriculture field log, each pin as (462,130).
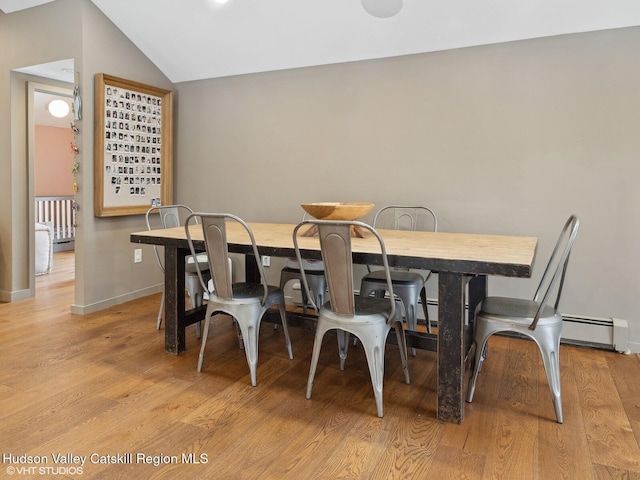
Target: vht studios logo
(195,459)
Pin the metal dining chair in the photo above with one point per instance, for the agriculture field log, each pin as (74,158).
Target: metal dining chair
(535,319)
(245,302)
(408,286)
(174,216)
(368,318)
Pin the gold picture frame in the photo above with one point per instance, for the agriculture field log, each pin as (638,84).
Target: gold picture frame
(133,147)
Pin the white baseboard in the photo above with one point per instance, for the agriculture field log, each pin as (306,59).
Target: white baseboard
(634,347)
(8,297)
(112,302)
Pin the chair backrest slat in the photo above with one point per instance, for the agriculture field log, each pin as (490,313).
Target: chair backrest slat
(554,274)
(335,244)
(171,216)
(406,217)
(214,232)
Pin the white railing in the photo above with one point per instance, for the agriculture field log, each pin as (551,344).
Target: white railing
(59,214)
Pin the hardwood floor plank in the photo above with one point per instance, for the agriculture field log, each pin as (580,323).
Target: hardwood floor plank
(409,452)
(611,439)
(513,450)
(458,464)
(627,387)
(604,472)
(559,445)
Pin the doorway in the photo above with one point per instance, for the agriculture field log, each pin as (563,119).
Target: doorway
(53,179)
(51,159)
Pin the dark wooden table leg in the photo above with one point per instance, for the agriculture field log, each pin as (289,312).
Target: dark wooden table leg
(451,350)
(251,272)
(174,314)
(477,293)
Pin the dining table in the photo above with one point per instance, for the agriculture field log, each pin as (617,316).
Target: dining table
(462,261)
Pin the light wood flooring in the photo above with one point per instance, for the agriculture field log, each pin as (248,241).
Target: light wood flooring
(102,385)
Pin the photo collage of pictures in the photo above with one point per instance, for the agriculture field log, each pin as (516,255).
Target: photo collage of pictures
(133,136)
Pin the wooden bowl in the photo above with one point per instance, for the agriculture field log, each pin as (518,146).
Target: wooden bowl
(337,210)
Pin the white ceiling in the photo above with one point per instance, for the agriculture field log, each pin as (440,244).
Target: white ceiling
(61,70)
(9,6)
(197,39)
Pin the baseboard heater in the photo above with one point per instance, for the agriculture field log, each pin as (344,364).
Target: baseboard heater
(608,333)
(595,332)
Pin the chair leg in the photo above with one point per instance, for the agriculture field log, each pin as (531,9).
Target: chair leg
(305,299)
(481,347)
(239,334)
(196,301)
(410,304)
(250,333)
(375,359)
(423,299)
(548,340)
(284,279)
(204,341)
(402,346)
(317,345)
(159,322)
(552,369)
(285,327)
(343,346)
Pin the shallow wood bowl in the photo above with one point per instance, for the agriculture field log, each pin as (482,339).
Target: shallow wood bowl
(337,211)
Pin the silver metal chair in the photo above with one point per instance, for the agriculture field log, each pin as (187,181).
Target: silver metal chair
(368,318)
(245,302)
(174,216)
(408,286)
(535,318)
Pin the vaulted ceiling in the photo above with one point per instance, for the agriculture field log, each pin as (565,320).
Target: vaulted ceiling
(197,39)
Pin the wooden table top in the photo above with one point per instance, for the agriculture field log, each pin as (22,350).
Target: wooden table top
(440,251)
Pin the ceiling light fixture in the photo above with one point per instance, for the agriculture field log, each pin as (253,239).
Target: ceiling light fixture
(58,108)
(217,4)
(382,8)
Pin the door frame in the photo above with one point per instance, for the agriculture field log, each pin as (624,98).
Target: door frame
(32,88)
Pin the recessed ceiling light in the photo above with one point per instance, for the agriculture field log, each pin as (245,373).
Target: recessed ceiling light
(58,108)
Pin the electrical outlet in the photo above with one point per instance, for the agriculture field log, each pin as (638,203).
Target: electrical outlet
(266,261)
(137,255)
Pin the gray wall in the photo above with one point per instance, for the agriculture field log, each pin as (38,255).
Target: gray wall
(509,138)
(104,257)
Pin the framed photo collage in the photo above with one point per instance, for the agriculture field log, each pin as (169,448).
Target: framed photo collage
(133,146)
